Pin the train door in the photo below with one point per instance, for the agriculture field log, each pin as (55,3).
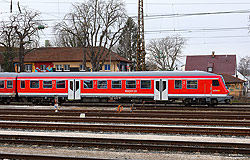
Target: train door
(161,89)
(74,89)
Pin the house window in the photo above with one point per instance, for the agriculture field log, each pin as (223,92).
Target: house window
(237,86)
(210,69)
(66,67)
(88,84)
(130,84)
(192,84)
(22,84)
(60,84)
(102,84)
(58,67)
(107,67)
(9,84)
(215,83)
(28,67)
(43,67)
(47,84)
(1,84)
(117,84)
(178,84)
(34,84)
(81,67)
(145,84)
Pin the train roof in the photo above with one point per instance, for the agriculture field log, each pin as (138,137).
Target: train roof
(8,74)
(115,74)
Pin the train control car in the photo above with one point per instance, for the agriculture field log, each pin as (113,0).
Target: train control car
(193,87)
(8,86)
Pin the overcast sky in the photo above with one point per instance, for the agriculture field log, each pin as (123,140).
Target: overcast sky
(208,25)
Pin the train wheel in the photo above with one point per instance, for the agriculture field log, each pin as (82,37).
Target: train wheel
(227,101)
(214,101)
(187,102)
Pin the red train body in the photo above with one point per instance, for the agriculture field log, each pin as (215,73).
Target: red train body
(195,87)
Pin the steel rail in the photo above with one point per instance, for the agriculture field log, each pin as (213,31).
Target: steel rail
(172,115)
(43,157)
(159,145)
(129,128)
(129,121)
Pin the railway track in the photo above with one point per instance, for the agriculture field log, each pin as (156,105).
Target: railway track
(128,121)
(219,115)
(149,105)
(128,128)
(108,143)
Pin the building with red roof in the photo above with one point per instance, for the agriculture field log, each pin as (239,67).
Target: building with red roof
(212,63)
(58,59)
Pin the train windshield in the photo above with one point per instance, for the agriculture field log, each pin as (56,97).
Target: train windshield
(224,81)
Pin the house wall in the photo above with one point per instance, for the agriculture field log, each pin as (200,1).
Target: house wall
(236,89)
(75,66)
(116,66)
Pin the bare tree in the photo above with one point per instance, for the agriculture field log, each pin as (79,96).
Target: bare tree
(94,24)
(127,46)
(25,25)
(9,41)
(244,65)
(166,52)
(151,65)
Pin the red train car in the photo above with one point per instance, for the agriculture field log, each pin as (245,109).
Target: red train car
(8,86)
(193,87)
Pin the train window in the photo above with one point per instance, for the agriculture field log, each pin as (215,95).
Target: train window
(117,84)
(1,84)
(47,84)
(88,84)
(145,84)
(215,83)
(60,84)
(102,84)
(34,84)
(192,84)
(22,84)
(131,84)
(77,85)
(164,85)
(178,84)
(71,85)
(9,84)
(158,85)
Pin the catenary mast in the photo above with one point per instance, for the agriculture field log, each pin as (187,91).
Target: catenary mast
(140,56)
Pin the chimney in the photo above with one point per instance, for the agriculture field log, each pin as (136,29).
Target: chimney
(213,52)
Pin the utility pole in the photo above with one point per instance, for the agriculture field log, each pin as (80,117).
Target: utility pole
(140,56)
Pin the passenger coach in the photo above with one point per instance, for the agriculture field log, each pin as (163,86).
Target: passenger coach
(193,87)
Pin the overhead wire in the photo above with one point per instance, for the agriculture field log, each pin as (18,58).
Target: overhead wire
(160,16)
